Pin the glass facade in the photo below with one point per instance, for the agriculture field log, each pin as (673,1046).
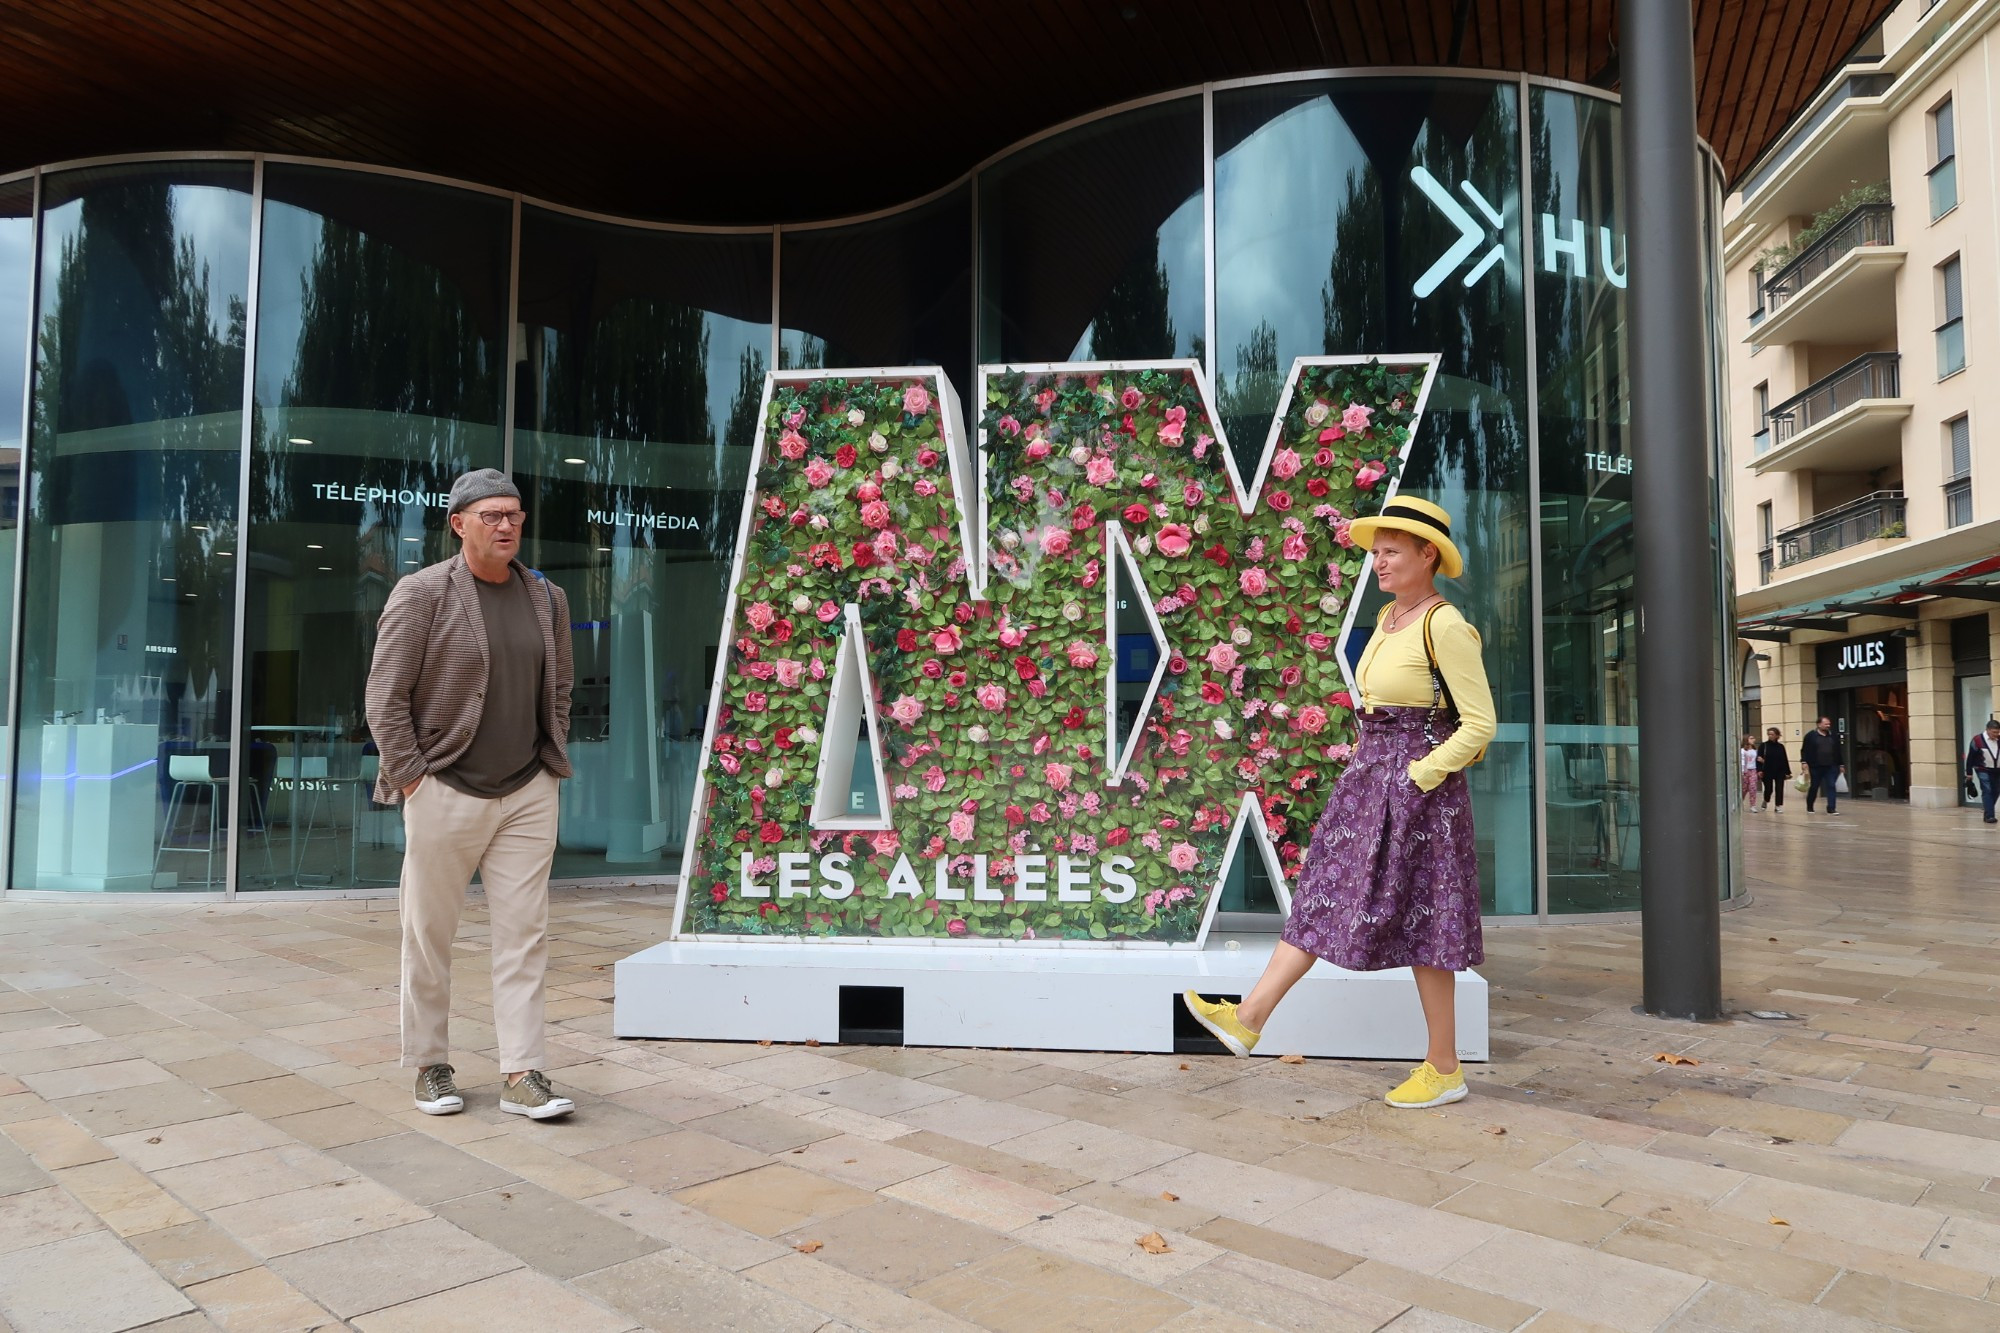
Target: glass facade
(198,589)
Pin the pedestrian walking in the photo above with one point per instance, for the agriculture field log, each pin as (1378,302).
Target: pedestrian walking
(1747,762)
(468,702)
(1824,761)
(1774,769)
(1982,760)
(1391,878)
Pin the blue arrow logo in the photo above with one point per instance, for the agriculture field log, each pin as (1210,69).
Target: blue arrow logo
(1471,235)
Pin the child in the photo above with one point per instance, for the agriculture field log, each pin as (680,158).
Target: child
(1750,762)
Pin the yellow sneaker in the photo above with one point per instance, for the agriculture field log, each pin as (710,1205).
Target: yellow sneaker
(1425,1087)
(1221,1021)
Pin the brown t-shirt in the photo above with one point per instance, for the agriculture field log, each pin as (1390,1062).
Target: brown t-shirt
(502,758)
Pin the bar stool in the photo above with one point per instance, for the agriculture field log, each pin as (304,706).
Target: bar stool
(189,773)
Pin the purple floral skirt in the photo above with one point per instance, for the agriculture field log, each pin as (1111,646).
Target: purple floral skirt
(1391,878)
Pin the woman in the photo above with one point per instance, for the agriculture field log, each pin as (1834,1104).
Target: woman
(1774,767)
(1391,878)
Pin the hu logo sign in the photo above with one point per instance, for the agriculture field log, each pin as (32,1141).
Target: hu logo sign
(1046,769)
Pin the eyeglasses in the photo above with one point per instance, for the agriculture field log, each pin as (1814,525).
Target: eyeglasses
(493,518)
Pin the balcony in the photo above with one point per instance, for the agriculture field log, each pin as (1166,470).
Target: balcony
(1851,421)
(1841,290)
(1843,138)
(1870,521)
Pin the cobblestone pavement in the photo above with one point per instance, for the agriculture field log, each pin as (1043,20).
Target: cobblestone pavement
(204,1126)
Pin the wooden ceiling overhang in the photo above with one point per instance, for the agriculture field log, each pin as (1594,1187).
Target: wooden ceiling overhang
(749,111)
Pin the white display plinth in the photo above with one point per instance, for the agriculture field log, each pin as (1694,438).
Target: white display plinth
(1015,997)
(99,794)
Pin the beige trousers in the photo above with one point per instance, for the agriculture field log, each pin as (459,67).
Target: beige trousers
(511,841)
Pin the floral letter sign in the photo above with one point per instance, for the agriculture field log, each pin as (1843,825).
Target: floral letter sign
(1011,809)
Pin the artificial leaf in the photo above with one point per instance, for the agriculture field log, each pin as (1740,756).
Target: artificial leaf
(810,1246)
(1154,1243)
(1669,1058)
(1779,1222)
(1169,1196)
(1291,1059)
(1183,1064)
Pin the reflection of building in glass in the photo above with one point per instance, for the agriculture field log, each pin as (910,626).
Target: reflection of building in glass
(403,330)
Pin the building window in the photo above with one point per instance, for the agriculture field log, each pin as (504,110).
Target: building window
(1958,472)
(1951,323)
(1944,160)
(1760,398)
(1757,294)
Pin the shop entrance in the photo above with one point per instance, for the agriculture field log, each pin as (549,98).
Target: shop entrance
(1873,722)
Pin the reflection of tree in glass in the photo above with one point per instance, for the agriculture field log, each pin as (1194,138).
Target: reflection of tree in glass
(741,432)
(132,338)
(1354,301)
(1251,396)
(808,354)
(641,375)
(1134,321)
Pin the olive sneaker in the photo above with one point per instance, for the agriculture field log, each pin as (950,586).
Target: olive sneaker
(437,1093)
(532,1097)
(1219,1017)
(1425,1087)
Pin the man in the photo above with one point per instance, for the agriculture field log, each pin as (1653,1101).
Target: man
(468,702)
(1821,756)
(1774,768)
(1983,759)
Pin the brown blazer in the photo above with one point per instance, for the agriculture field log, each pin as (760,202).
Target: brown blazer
(428,678)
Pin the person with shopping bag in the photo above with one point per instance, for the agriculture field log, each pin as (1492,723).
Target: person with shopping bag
(1774,769)
(1825,763)
(1982,761)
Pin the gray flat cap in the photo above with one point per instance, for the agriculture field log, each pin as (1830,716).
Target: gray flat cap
(480,484)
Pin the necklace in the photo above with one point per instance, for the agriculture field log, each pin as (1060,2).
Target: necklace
(1397,614)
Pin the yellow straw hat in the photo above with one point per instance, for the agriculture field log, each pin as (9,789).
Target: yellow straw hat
(1420,518)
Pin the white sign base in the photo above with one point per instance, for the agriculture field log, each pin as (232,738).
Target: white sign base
(1029,999)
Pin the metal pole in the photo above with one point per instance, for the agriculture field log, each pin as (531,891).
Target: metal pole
(1673,529)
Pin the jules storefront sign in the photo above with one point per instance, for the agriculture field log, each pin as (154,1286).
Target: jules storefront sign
(1870,656)
(980,648)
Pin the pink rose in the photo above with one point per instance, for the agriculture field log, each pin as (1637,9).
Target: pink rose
(955,926)
(946,640)
(875,514)
(1182,857)
(991,697)
(1318,642)
(1368,474)
(792,445)
(1058,775)
(1285,465)
(818,473)
(1323,458)
(960,826)
(1100,471)
(1131,398)
(887,843)
(789,672)
(1279,500)
(829,611)
(1192,495)
(1312,719)
(867,491)
(760,615)
(755,701)
(1223,657)
(1254,581)
(1290,676)
(1294,547)
(1055,541)
(925,486)
(1082,655)
(885,546)
(1332,434)
(1356,416)
(906,710)
(1174,539)
(916,400)
(1038,449)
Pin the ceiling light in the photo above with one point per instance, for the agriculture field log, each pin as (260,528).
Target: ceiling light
(413,562)
(298,439)
(314,546)
(167,580)
(413,539)
(199,527)
(572,460)
(604,548)
(225,553)
(326,569)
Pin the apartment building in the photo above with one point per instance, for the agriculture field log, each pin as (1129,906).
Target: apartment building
(1862,258)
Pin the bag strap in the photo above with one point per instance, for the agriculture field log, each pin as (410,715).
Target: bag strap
(1440,689)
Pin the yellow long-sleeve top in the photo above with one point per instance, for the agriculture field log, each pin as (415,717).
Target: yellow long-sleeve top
(1396,674)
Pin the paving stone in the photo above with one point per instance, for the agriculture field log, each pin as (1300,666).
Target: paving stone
(1373,1227)
(1901,1305)
(1025,1289)
(1249,1193)
(55,1143)
(149,1106)
(36,1217)
(675,1161)
(192,1252)
(498,1303)
(773,1199)
(669,1290)
(1616,1292)
(556,1235)
(1281,1297)
(40,1288)
(18,1171)
(859,1302)
(257,1299)
(280,1224)
(420,1168)
(761,1129)
(898,1244)
(122,1197)
(196,1141)
(222,1181)
(686,1228)
(384,1268)
(107,1077)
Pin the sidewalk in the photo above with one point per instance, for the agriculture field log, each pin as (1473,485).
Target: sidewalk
(204,1126)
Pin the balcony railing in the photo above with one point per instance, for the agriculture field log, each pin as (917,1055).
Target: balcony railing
(1873,375)
(1870,517)
(1872,84)
(1865,224)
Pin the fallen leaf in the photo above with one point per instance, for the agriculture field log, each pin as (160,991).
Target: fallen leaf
(812,1041)
(1773,939)
(1779,1222)
(506,1194)
(1497,1131)
(810,1246)
(797,1151)
(154,1139)
(849,1161)
(1669,1058)
(1183,1064)
(1779,1139)
(763,1043)
(1154,1243)
(1170,1196)
(1291,1059)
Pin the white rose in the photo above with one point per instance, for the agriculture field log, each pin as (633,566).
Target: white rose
(1072,611)
(1010,539)
(775,778)
(877,443)
(1331,603)
(1281,710)
(806,736)
(1240,637)
(977,734)
(1201,523)
(891,469)
(1079,455)
(1223,731)
(855,416)
(817,523)
(1144,546)
(802,603)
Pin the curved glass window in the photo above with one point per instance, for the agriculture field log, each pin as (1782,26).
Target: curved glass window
(17,294)
(635,407)
(128,633)
(1337,233)
(892,291)
(1091,242)
(381,370)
